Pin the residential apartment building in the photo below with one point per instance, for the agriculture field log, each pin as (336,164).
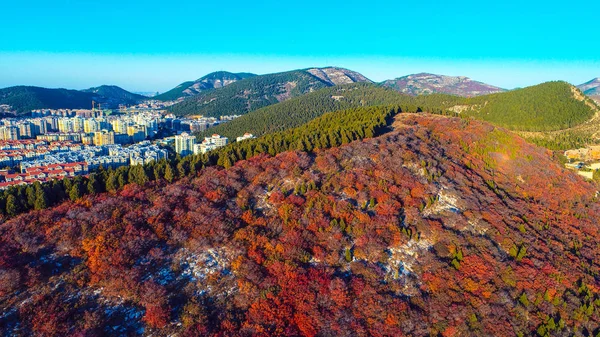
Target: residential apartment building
(184,144)
(104,137)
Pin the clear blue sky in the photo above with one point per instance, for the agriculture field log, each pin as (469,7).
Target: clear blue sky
(154,45)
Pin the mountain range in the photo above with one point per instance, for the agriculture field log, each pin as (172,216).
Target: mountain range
(225,93)
(249,94)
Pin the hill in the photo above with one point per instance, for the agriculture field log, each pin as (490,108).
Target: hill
(300,110)
(424,83)
(23,99)
(442,226)
(113,95)
(213,80)
(257,92)
(26,98)
(544,107)
(537,112)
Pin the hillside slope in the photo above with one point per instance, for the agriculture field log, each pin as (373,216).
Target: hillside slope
(26,98)
(257,92)
(553,114)
(544,107)
(443,226)
(213,80)
(424,84)
(114,95)
(300,110)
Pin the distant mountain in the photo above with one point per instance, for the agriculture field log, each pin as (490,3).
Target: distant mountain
(592,89)
(257,92)
(337,76)
(23,99)
(114,95)
(214,80)
(424,83)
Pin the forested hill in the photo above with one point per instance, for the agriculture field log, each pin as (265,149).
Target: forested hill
(213,80)
(442,227)
(544,107)
(257,92)
(299,110)
(23,99)
(114,95)
(26,98)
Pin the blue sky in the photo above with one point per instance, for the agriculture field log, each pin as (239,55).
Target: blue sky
(154,45)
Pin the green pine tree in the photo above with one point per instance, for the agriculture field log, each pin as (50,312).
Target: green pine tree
(92,183)
(75,192)
(12,205)
(41,201)
(169,176)
(30,192)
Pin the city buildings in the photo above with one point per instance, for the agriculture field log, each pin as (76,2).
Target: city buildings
(9,178)
(184,144)
(211,143)
(51,143)
(104,138)
(9,133)
(218,140)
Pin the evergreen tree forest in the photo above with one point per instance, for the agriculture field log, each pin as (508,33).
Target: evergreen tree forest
(300,110)
(330,130)
(249,94)
(545,107)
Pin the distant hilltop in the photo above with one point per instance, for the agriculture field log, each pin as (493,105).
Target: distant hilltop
(227,93)
(424,83)
(592,89)
(23,99)
(213,80)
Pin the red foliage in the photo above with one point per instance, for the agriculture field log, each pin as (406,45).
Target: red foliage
(293,245)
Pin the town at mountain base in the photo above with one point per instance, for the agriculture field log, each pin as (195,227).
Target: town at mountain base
(442,226)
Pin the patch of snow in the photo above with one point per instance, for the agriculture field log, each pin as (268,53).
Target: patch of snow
(415,169)
(445,201)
